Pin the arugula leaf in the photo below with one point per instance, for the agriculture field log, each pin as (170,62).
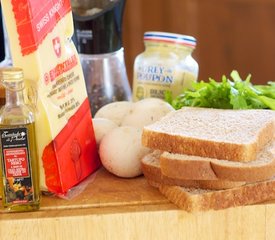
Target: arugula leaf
(233,93)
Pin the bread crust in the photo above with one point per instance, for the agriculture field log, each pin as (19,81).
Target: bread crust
(192,200)
(152,172)
(193,167)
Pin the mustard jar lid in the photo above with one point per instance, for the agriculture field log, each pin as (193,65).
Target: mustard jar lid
(167,37)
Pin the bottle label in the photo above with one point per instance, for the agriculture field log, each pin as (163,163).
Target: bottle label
(154,80)
(18,186)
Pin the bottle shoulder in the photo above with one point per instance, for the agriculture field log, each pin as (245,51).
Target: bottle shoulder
(11,115)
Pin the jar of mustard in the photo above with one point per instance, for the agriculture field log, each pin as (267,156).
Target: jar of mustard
(166,64)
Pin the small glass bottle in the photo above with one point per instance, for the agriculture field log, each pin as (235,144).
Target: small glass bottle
(165,65)
(19,162)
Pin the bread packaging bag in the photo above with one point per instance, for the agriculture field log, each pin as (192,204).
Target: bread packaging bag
(40,39)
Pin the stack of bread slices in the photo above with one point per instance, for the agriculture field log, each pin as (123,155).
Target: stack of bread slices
(206,158)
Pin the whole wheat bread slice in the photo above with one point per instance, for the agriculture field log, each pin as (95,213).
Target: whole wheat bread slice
(190,199)
(189,167)
(222,134)
(151,169)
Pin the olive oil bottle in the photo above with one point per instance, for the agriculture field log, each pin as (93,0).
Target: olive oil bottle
(19,162)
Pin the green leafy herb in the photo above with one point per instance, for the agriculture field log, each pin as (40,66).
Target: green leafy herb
(233,93)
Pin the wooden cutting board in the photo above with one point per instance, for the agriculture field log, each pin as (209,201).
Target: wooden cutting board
(106,190)
(115,208)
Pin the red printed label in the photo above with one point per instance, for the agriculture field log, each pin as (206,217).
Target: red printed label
(35,19)
(16,162)
(70,157)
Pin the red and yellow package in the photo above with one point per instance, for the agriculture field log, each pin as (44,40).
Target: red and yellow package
(40,40)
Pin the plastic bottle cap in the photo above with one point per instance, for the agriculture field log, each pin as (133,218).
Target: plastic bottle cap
(188,41)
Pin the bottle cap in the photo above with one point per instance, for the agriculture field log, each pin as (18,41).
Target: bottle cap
(185,40)
(11,74)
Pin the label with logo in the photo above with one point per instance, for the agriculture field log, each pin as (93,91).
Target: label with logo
(34,22)
(154,80)
(16,165)
(155,74)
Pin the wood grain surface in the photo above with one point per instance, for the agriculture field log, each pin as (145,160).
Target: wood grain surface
(114,208)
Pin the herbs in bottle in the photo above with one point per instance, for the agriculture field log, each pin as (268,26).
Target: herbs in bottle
(19,162)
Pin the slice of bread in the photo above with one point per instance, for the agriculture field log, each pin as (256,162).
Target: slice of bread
(191,199)
(151,169)
(189,167)
(216,133)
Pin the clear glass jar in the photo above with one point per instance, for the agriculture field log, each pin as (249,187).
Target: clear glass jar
(106,78)
(166,64)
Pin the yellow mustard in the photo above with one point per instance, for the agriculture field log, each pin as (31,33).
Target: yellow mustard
(166,64)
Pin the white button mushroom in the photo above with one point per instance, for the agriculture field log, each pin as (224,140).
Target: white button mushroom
(101,127)
(146,112)
(115,111)
(121,151)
